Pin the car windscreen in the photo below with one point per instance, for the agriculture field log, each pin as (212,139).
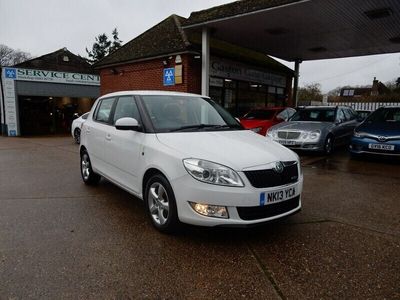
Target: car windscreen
(260,114)
(315,115)
(187,113)
(388,114)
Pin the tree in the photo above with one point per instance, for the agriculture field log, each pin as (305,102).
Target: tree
(11,57)
(104,46)
(310,92)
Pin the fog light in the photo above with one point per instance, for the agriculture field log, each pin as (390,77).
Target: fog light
(210,210)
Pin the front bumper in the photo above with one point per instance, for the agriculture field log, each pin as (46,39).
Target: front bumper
(187,189)
(361,146)
(300,145)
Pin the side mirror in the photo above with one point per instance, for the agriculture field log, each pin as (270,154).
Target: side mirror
(338,121)
(127,124)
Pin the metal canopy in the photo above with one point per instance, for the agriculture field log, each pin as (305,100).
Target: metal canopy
(314,29)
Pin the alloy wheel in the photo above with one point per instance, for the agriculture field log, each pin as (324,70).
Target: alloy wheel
(158,203)
(85,166)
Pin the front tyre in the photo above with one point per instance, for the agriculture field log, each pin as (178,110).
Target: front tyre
(89,177)
(161,205)
(328,146)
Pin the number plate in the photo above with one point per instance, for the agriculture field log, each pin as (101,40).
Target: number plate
(278,196)
(287,142)
(381,147)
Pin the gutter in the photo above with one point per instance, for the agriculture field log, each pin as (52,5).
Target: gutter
(143,59)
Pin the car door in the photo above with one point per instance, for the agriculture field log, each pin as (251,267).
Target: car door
(351,123)
(95,131)
(339,129)
(123,148)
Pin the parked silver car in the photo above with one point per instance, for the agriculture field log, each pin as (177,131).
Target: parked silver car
(317,128)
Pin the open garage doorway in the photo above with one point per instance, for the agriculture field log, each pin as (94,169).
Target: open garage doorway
(50,115)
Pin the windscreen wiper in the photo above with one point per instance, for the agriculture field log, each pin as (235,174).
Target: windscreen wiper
(198,126)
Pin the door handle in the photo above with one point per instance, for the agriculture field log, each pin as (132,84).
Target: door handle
(108,137)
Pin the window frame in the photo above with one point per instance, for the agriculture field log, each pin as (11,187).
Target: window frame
(111,111)
(135,101)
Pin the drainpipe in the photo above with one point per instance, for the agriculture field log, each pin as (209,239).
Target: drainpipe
(297,63)
(205,61)
(3,110)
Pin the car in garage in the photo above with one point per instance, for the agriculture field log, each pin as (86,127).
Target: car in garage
(188,159)
(76,127)
(261,119)
(317,128)
(379,134)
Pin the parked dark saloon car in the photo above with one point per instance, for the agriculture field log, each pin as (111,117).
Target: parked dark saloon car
(379,133)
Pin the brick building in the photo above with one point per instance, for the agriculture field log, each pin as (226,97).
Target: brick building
(240,78)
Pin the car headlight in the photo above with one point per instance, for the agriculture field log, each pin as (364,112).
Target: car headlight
(272,133)
(256,130)
(311,135)
(209,172)
(359,134)
(314,135)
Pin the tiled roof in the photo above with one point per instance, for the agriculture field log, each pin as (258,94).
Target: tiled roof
(56,61)
(164,38)
(168,37)
(234,8)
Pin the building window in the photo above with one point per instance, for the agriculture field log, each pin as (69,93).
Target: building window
(348,93)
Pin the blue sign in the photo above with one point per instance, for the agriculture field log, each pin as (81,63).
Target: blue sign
(12,133)
(11,73)
(169,76)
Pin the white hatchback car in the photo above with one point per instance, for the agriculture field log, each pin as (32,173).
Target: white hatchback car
(76,127)
(189,160)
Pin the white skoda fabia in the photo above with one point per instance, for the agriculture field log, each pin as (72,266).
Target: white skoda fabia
(189,160)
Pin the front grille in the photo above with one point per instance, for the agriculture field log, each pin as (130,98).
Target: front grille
(288,135)
(270,178)
(267,211)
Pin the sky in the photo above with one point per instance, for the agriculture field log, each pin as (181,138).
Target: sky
(43,26)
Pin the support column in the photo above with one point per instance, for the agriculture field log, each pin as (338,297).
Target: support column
(296,80)
(205,62)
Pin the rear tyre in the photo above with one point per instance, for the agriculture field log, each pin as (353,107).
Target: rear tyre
(77,136)
(329,145)
(89,177)
(160,204)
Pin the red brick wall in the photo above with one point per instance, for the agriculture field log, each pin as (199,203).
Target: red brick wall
(148,75)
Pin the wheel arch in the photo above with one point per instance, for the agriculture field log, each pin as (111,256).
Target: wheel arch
(148,174)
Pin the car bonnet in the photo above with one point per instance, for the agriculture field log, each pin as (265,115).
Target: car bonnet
(236,149)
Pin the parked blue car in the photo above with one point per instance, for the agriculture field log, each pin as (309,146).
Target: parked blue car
(378,134)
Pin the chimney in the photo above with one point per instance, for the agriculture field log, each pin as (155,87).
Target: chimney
(375,87)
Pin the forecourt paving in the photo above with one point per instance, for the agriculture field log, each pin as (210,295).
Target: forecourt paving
(62,239)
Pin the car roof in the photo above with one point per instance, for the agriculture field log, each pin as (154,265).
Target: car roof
(150,93)
(269,108)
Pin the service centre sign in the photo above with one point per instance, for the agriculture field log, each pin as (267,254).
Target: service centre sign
(51,76)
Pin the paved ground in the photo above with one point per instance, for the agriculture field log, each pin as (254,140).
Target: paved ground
(62,239)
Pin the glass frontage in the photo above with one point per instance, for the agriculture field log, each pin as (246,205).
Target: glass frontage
(239,97)
(50,115)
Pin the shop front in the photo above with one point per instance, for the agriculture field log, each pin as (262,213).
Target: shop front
(41,102)
(239,87)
